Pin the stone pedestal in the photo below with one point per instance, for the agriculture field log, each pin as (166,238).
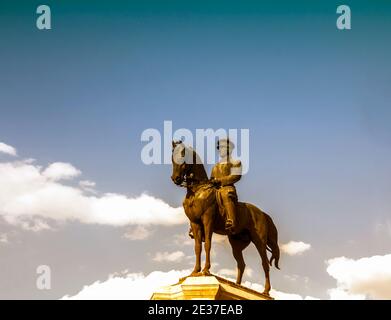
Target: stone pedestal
(207,288)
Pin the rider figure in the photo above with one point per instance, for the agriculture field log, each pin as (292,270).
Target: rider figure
(224,175)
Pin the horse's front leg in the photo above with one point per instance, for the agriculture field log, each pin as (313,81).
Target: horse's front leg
(197,233)
(207,221)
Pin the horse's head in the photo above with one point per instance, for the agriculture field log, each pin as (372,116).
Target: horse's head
(181,163)
(187,167)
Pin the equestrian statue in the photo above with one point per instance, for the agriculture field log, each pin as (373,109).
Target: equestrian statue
(212,206)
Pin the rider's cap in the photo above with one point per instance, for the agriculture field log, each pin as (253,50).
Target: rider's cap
(225,142)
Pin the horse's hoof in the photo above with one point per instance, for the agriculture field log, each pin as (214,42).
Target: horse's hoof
(206,273)
(266,293)
(195,274)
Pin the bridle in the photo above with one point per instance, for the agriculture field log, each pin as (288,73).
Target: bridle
(190,181)
(188,178)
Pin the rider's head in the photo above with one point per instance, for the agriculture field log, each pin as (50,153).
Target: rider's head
(225,147)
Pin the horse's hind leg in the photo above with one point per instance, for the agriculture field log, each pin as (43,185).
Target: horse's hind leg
(237,250)
(260,244)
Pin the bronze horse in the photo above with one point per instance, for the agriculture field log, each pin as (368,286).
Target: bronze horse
(253,225)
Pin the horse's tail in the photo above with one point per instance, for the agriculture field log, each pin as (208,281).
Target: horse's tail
(272,243)
(275,256)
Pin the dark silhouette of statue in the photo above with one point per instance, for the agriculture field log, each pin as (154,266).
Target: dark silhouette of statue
(212,207)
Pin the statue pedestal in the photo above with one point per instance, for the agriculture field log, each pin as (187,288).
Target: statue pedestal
(207,288)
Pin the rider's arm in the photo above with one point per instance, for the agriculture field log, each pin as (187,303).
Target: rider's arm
(228,180)
(235,175)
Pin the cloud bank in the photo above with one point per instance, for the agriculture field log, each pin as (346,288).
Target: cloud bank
(31,196)
(295,247)
(7,149)
(368,277)
(133,286)
(137,286)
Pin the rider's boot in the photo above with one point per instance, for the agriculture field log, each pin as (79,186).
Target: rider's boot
(230,224)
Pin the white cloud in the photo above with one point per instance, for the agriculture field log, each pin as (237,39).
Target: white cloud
(220,239)
(137,286)
(29,194)
(7,149)
(342,294)
(34,225)
(295,247)
(88,186)
(137,233)
(175,256)
(226,272)
(278,295)
(368,277)
(60,171)
(134,286)
(230,274)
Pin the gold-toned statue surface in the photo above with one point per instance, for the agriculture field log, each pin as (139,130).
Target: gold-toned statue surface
(212,206)
(224,175)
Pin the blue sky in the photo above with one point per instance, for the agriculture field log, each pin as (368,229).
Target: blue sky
(316,101)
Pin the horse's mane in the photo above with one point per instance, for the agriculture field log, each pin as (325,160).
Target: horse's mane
(189,151)
(192,155)
(196,158)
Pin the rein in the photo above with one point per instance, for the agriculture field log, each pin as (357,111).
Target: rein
(189,181)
